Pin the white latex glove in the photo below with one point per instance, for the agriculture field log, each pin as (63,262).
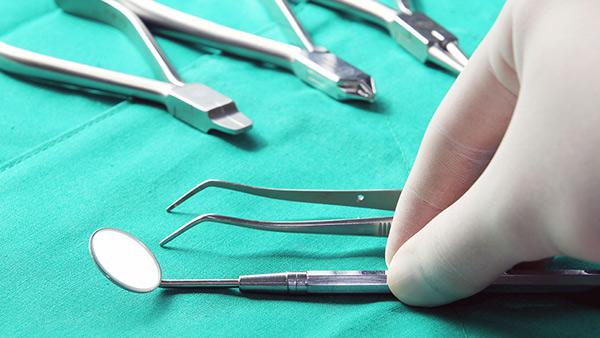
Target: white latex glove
(509,169)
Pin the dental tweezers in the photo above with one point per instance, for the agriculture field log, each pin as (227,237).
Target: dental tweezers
(371,199)
(314,65)
(195,104)
(416,32)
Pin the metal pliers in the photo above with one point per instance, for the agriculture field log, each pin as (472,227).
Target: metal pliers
(314,65)
(195,104)
(414,31)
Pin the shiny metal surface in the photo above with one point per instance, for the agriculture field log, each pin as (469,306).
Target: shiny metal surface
(315,66)
(22,62)
(114,14)
(374,281)
(379,227)
(199,283)
(417,33)
(383,199)
(125,253)
(194,104)
(309,282)
(334,76)
(283,14)
(373,199)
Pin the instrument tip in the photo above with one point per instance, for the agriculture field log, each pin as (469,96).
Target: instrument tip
(334,76)
(449,57)
(203,185)
(206,109)
(362,88)
(230,122)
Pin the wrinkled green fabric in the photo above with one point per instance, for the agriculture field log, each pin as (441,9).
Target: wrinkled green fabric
(73,162)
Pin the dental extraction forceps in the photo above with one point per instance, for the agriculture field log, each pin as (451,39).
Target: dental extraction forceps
(195,104)
(417,33)
(314,65)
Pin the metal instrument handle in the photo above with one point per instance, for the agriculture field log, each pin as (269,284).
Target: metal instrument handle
(534,281)
(368,281)
(67,74)
(115,14)
(329,282)
(346,282)
(171,22)
(283,14)
(369,10)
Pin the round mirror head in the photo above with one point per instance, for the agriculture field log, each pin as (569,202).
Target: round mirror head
(125,260)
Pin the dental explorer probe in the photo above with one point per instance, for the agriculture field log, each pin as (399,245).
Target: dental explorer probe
(128,263)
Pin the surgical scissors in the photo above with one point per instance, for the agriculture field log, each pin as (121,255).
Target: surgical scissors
(371,199)
(314,65)
(416,32)
(195,104)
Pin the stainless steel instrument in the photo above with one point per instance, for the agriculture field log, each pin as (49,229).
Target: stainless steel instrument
(375,281)
(314,65)
(521,279)
(195,104)
(307,282)
(416,32)
(372,199)
(128,263)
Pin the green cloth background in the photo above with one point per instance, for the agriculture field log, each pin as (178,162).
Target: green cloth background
(71,163)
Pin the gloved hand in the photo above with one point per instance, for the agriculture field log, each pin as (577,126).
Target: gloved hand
(509,169)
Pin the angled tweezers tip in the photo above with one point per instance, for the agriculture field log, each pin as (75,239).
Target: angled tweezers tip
(203,185)
(185,228)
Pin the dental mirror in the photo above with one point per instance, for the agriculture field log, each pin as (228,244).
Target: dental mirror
(128,263)
(124,260)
